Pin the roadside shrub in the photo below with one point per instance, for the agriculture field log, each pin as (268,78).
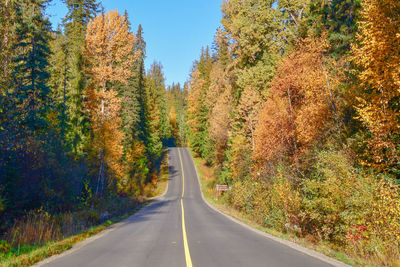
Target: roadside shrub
(380,236)
(328,197)
(352,209)
(339,203)
(36,228)
(285,202)
(241,195)
(261,201)
(4,246)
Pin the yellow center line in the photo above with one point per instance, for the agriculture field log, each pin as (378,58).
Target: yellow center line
(185,242)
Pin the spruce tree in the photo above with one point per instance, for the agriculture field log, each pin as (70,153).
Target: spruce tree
(30,72)
(155,122)
(80,12)
(338,18)
(199,109)
(129,93)
(59,78)
(140,80)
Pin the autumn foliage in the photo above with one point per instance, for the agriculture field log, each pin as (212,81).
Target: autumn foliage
(109,52)
(378,59)
(295,105)
(83,125)
(300,103)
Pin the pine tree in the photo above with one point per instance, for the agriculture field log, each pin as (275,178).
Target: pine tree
(198,107)
(80,12)
(131,106)
(221,47)
(338,18)
(139,74)
(157,124)
(59,78)
(30,71)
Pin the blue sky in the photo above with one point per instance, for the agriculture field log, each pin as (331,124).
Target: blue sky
(174,30)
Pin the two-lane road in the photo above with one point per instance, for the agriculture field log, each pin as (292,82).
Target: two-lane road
(158,235)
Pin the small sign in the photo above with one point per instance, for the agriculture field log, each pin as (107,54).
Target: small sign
(222,187)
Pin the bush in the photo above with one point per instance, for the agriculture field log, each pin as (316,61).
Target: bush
(285,202)
(329,198)
(4,246)
(351,209)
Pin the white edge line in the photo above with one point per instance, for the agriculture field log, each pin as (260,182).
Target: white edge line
(288,243)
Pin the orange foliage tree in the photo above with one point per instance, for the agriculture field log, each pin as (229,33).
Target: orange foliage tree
(377,55)
(109,51)
(301,101)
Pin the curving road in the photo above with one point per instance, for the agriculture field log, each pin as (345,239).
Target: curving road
(158,235)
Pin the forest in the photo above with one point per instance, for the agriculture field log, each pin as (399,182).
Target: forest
(295,106)
(83,125)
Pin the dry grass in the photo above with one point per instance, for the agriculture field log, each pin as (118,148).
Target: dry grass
(39,235)
(160,182)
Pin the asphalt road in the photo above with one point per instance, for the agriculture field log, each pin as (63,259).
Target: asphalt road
(158,236)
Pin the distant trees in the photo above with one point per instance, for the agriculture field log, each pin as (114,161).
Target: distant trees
(197,108)
(157,123)
(176,102)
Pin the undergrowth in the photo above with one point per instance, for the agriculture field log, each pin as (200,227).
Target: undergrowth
(338,210)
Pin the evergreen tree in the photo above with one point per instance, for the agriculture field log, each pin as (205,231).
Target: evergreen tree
(80,12)
(30,71)
(59,78)
(130,96)
(338,18)
(157,122)
(198,108)
(138,80)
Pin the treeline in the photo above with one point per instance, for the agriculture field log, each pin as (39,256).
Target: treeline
(80,118)
(297,108)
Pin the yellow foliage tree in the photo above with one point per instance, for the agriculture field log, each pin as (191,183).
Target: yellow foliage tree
(377,55)
(109,51)
(219,99)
